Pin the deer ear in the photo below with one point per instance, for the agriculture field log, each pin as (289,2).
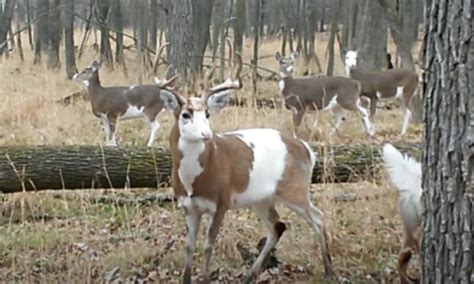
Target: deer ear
(295,55)
(95,65)
(216,102)
(170,100)
(278,56)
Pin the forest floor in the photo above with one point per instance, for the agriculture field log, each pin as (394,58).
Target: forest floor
(68,236)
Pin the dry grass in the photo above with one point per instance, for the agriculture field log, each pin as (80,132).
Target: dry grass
(65,238)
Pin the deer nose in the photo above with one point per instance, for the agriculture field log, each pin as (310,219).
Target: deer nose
(206,135)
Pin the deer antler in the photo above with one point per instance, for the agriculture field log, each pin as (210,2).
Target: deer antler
(231,83)
(165,83)
(156,60)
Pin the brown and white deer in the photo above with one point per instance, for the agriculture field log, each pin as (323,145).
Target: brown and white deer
(334,94)
(397,84)
(215,173)
(113,103)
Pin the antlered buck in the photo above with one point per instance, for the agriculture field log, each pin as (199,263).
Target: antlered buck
(215,173)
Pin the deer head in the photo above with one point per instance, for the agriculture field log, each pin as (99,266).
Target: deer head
(88,73)
(192,114)
(286,63)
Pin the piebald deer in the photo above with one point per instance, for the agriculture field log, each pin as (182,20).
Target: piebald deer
(405,174)
(113,103)
(399,84)
(215,173)
(334,94)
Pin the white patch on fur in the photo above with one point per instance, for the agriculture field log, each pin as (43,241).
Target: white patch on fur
(281,85)
(312,155)
(154,126)
(132,112)
(378,94)
(350,60)
(132,87)
(197,204)
(332,103)
(268,166)
(405,174)
(189,167)
(399,92)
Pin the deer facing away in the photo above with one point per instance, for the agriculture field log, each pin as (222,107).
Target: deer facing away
(215,173)
(397,84)
(405,174)
(334,94)
(113,103)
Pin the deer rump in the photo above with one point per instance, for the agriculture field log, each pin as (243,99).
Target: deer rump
(319,93)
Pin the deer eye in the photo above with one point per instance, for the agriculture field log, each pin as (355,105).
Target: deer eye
(207,114)
(186,115)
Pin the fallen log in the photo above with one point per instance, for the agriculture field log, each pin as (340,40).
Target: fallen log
(27,168)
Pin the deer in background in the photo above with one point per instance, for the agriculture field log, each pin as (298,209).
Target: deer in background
(398,84)
(212,174)
(111,104)
(405,173)
(334,94)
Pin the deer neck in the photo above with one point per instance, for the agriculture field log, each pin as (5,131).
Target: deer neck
(93,85)
(284,84)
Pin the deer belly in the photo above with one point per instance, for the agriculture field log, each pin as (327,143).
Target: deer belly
(268,166)
(132,112)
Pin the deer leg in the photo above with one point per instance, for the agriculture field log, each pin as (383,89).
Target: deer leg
(112,126)
(314,217)
(297,117)
(406,116)
(154,127)
(215,223)
(270,218)
(106,127)
(193,219)
(367,124)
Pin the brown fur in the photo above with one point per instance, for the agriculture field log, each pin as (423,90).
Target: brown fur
(386,83)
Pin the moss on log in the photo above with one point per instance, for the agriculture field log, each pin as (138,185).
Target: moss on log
(26,168)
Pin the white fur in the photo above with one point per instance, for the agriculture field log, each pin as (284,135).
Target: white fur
(350,60)
(378,94)
(189,167)
(269,153)
(312,155)
(132,112)
(405,174)
(281,85)
(332,103)
(132,87)
(369,127)
(154,126)
(399,92)
(197,126)
(197,203)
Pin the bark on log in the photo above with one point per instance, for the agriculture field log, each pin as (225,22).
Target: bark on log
(26,168)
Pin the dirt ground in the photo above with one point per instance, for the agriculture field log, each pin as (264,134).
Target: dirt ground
(74,236)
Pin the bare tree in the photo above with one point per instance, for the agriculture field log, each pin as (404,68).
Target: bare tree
(180,37)
(41,33)
(54,23)
(371,35)
(71,68)
(6,14)
(201,20)
(332,37)
(102,11)
(447,245)
(239,25)
(117,16)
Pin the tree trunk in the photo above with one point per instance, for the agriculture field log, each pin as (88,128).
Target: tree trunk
(153,22)
(258,4)
(371,36)
(201,20)
(6,14)
(29,14)
(71,68)
(447,245)
(85,167)
(20,13)
(180,37)
(408,10)
(401,41)
(118,24)
(102,15)
(54,23)
(239,25)
(332,37)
